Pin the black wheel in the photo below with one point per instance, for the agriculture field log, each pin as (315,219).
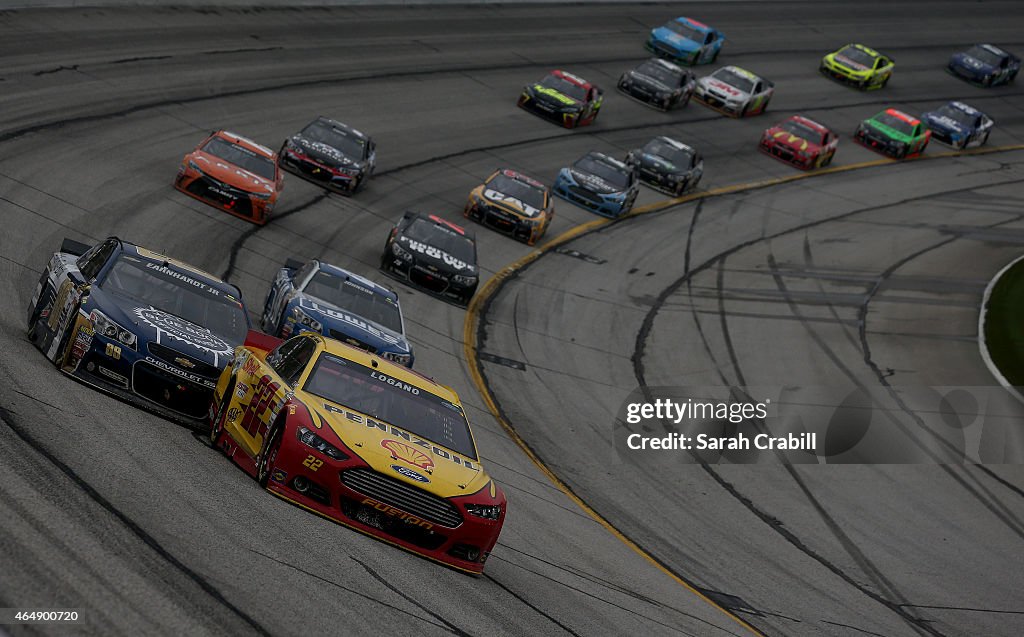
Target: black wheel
(743,111)
(217,422)
(714,56)
(269,455)
(358,184)
(902,152)
(828,160)
(984,140)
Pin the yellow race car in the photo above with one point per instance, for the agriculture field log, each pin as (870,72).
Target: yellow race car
(512,203)
(859,66)
(361,441)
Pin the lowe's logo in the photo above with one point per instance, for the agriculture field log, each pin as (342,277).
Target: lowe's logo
(409,473)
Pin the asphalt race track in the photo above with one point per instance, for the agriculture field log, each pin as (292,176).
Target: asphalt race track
(866,278)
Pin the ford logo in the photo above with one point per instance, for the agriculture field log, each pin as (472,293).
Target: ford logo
(409,473)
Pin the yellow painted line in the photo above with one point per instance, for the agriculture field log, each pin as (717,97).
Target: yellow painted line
(484,294)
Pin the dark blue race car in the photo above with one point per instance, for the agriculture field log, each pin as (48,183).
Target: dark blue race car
(686,41)
(599,183)
(339,304)
(958,125)
(984,64)
(147,328)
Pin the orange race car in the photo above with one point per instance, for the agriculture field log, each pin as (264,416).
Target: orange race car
(234,174)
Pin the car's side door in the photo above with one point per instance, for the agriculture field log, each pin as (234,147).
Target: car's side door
(919,138)
(883,69)
(281,289)
(707,48)
(261,389)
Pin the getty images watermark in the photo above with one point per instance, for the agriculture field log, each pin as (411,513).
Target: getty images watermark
(823,425)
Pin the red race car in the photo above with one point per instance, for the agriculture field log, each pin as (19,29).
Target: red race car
(801,142)
(361,441)
(234,174)
(564,98)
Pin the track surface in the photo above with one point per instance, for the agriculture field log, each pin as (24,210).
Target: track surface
(128,517)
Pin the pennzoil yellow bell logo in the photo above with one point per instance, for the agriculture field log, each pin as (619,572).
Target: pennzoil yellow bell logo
(407,453)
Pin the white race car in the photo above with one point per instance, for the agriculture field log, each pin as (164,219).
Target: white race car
(734,91)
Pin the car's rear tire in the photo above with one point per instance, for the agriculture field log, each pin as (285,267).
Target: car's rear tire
(269,454)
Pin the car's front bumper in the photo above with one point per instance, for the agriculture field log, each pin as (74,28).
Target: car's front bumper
(589,200)
(787,154)
(235,201)
(505,222)
(419,276)
(319,174)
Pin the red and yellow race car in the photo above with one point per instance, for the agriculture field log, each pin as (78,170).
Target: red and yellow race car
(801,142)
(361,441)
(234,174)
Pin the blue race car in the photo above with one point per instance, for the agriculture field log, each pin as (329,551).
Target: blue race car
(323,298)
(958,125)
(686,41)
(147,328)
(599,183)
(984,64)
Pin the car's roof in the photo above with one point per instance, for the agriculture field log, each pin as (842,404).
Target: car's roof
(696,24)
(181,267)
(518,176)
(810,123)
(910,119)
(573,79)
(861,47)
(340,125)
(443,224)
(246,143)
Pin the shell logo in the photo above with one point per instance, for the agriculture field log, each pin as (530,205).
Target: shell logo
(408,454)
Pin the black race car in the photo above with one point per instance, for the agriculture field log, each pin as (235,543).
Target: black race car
(331,154)
(659,83)
(667,165)
(147,328)
(433,254)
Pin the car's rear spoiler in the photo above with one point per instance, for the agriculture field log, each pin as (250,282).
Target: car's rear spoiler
(76,248)
(293,264)
(258,340)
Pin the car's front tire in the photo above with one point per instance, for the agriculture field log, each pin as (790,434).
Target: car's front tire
(269,455)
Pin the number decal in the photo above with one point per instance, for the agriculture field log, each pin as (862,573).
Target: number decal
(262,397)
(313,463)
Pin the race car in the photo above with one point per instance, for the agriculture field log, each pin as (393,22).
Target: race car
(734,91)
(893,133)
(659,84)
(686,41)
(564,98)
(801,142)
(234,174)
(512,203)
(599,183)
(667,165)
(323,298)
(330,154)
(363,442)
(858,65)
(149,329)
(958,125)
(984,64)
(433,254)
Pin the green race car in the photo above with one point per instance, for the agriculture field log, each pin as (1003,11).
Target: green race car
(893,133)
(859,66)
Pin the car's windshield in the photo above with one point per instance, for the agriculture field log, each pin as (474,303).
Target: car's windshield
(666,76)
(687,32)
(565,87)
(679,157)
(612,174)
(858,56)
(356,298)
(983,54)
(432,234)
(958,115)
(803,131)
(896,123)
(734,79)
(239,156)
(349,144)
(509,187)
(178,293)
(388,399)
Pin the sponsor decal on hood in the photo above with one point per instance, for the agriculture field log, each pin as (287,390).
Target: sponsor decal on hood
(845,61)
(350,319)
(436,253)
(518,204)
(324,149)
(593,182)
(725,88)
(178,329)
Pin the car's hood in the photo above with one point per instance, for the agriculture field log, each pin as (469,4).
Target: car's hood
(434,256)
(593,182)
(659,164)
(887,130)
(973,63)
(790,140)
(325,153)
(842,60)
(648,81)
(230,174)
(552,96)
(509,202)
(341,320)
(151,325)
(668,36)
(398,453)
(719,85)
(937,120)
